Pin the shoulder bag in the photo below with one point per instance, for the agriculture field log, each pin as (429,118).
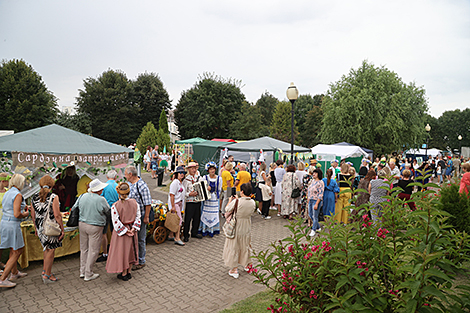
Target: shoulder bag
(172,221)
(152,212)
(74,214)
(230,225)
(51,227)
(295,191)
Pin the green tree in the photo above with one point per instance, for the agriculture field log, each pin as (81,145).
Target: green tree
(163,122)
(151,98)
(77,122)
(449,126)
(303,105)
(372,107)
(311,135)
(25,101)
(148,137)
(207,109)
(281,127)
(266,105)
(249,123)
(163,140)
(107,102)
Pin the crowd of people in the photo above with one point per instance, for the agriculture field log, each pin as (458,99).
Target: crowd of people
(302,189)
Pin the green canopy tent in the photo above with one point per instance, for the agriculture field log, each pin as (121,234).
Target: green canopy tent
(207,151)
(53,147)
(191,141)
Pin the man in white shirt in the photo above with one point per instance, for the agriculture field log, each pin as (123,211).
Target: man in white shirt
(394,171)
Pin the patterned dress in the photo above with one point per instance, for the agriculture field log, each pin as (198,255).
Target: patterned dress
(289,182)
(304,193)
(210,224)
(40,210)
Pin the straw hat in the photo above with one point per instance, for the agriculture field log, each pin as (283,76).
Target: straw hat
(123,188)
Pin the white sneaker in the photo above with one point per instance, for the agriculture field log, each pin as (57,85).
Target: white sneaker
(267,217)
(257,210)
(273,208)
(312,233)
(234,275)
(319,230)
(6,284)
(95,276)
(278,214)
(82,275)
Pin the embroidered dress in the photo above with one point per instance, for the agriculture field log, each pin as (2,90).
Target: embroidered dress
(210,224)
(40,210)
(289,182)
(305,182)
(123,250)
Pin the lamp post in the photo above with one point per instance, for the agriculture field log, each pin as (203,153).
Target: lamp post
(460,145)
(428,129)
(292,94)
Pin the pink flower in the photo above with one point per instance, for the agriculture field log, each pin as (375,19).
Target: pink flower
(290,248)
(315,248)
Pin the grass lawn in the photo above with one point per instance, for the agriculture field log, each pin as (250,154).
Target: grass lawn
(254,304)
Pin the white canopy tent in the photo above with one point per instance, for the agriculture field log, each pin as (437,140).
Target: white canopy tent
(431,152)
(342,151)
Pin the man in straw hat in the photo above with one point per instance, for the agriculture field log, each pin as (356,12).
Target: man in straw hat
(94,211)
(192,212)
(141,193)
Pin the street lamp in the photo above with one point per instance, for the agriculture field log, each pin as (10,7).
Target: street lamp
(460,145)
(292,94)
(428,129)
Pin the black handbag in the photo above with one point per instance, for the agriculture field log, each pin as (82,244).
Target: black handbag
(296,191)
(74,215)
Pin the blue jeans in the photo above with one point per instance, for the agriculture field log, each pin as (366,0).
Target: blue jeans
(313,214)
(142,235)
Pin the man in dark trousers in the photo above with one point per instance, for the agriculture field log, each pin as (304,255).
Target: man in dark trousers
(192,212)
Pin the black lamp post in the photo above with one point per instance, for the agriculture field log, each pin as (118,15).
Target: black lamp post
(460,145)
(292,94)
(428,129)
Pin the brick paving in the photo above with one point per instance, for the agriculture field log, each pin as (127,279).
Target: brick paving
(176,279)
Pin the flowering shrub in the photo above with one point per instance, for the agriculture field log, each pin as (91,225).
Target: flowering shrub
(406,263)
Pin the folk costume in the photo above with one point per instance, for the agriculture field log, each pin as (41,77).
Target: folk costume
(210,224)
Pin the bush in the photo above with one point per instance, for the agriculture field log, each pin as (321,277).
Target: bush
(148,137)
(458,205)
(405,264)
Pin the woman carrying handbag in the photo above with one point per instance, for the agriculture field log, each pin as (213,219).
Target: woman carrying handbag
(237,250)
(46,206)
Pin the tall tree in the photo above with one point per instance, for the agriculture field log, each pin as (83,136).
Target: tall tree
(25,101)
(248,123)
(163,122)
(266,105)
(151,97)
(163,140)
(303,105)
(107,102)
(311,134)
(281,126)
(207,109)
(148,137)
(77,122)
(449,126)
(372,107)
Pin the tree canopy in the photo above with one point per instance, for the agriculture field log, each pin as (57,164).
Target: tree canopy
(118,108)
(25,101)
(281,127)
(208,108)
(372,107)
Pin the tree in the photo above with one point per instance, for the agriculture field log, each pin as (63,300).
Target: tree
(163,140)
(302,106)
(372,107)
(313,123)
(208,108)
(449,126)
(25,101)
(281,127)
(77,122)
(107,102)
(266,105)
(148,137)
(163,122)
(249,123)
(151,98)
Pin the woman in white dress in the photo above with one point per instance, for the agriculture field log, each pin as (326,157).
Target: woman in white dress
(210,223)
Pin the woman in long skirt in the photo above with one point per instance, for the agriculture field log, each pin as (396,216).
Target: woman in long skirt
(210,224)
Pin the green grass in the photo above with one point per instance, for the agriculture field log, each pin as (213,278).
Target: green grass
(254,304)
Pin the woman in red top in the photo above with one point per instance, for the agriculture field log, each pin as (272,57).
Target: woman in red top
(465,181)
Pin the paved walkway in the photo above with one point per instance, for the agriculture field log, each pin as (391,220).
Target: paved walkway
(176,279)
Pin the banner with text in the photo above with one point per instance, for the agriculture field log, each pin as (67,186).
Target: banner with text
(31,159)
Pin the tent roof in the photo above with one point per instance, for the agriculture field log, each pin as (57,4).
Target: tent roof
(350,144)
(55,139)
(191,140)
(210,143)
(224,140)
(342,151)
(432,151)
(265,143)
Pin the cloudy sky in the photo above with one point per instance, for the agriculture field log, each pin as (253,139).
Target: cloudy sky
(265,44)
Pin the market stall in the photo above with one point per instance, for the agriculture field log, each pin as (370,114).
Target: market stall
(325,154)
(50,150)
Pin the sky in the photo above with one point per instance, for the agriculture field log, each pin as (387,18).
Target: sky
(264,44)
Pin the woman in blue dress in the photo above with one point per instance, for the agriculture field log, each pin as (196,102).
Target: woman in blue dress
(210,224)
(329,196)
